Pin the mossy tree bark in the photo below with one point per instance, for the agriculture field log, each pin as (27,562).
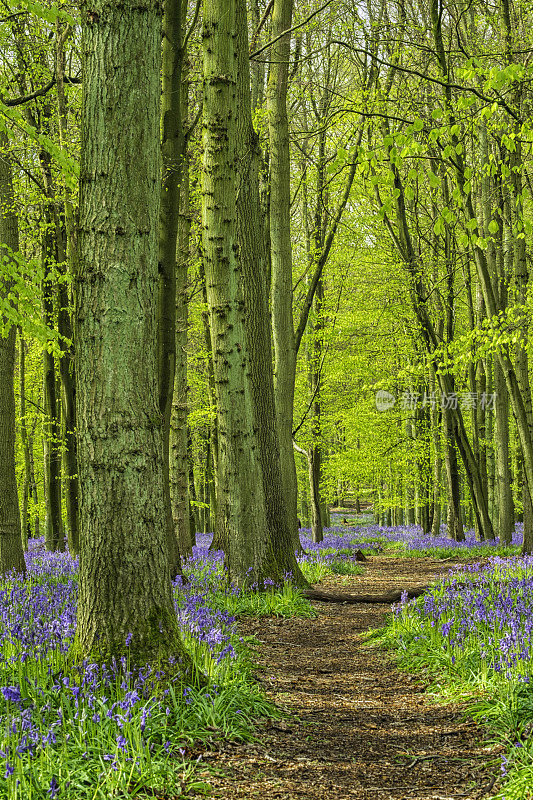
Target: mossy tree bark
(125,583)
(66,235)
(242,519)
(281,250)
(503,488)
(54,531)
(24,512)
(11,552)
(179,432)
(253,258)
(240,523)
(437,462)
(172,153)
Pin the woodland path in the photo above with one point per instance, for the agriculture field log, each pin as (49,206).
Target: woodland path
(358,727)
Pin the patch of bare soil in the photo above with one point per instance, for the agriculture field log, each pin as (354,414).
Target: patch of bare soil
(357,726)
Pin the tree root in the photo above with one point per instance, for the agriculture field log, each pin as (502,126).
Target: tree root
(390,597)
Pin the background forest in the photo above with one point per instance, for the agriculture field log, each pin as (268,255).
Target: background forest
(408,196)
(261,262)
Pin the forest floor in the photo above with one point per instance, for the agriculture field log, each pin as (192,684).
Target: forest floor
(355,725)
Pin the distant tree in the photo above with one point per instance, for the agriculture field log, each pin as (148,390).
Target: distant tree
(11,553)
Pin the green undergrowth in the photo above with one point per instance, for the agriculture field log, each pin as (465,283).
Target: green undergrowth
(401,549)
(316,571)
(470,638)
(284,602)
(457,553)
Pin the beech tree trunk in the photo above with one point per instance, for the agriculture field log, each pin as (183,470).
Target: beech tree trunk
(54,533)
(24,512)
(172,154)
(125,589)
(11,552)
(64,324)
(437,461)
(281,250)
(179,433)
(254,264)
(241,520)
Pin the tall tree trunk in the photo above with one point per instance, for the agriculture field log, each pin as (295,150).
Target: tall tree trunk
(437,461)
(34,494)
(241,518)
(125,590)
(54,530)
(66,240)
(454,520)
(503,474)
(11,552)
(254,266)
(172,145)
(24,513)
(317,523)
(194,520)
(281,250)
(179,432)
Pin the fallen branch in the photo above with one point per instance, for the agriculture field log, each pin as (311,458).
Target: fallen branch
(390,597)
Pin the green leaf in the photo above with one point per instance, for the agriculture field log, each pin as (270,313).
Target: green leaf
(434,181)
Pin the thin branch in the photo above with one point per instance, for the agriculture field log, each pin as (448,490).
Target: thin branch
(325,252)
(290,30)
(261,25)
(193,25)
(425,77)
(18,101)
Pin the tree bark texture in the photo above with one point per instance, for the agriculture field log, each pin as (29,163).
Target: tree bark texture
(254,264)
(125,584)
(241,519)
(11,552)
(281,250)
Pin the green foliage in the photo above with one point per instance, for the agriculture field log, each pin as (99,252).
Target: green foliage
(469,636)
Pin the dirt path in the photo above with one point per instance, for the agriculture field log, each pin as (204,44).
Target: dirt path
(358,728)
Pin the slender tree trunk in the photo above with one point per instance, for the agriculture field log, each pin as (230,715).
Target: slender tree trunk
(315,448)
(490,442)
(254,266)
(24,515)
(179,432)
(66,240)
(34,495)
(454,520)
(125,591)
(54,531)
(317,526)
(194,521)
(437,461)
(11,552)
(281,249)
(503,474)
(172,145)
(241,518)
